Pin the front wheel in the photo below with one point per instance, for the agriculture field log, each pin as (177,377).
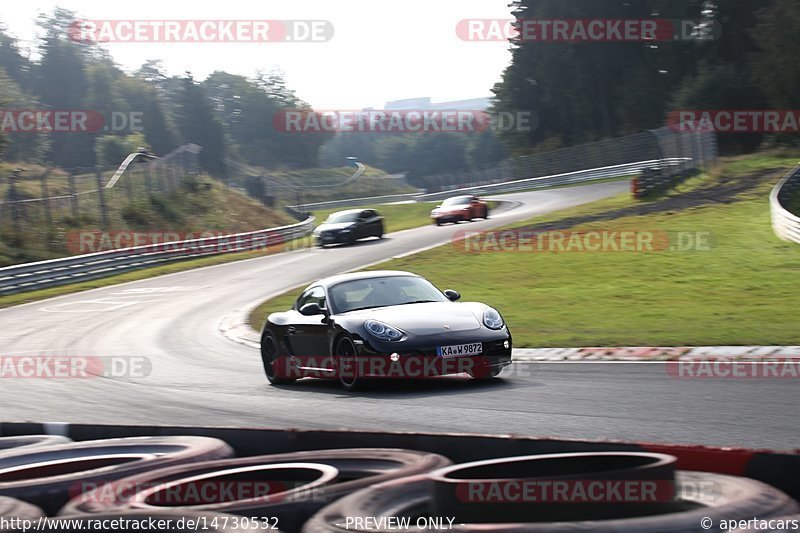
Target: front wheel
(271,359)
(347,365)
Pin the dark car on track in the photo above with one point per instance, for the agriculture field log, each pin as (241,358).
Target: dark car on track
(349,226)
(460,209)
(383,324)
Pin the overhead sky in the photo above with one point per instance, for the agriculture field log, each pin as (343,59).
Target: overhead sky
(381,50)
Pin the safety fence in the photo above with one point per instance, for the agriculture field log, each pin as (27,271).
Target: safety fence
(46,199)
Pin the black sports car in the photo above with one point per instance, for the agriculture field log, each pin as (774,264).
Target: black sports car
(349,226)
(353,327)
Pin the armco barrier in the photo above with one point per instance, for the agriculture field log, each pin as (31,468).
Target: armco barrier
(785,224)
(55,272)
(555,180)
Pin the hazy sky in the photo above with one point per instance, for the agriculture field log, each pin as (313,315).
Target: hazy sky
(380,51)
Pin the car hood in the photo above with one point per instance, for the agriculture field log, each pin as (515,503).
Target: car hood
(334,227)
(426,319)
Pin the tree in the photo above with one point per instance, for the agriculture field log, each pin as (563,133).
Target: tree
(197,123)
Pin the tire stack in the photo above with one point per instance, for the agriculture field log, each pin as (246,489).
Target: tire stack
(135,480)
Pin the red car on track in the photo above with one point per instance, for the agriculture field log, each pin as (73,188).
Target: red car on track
(460,208)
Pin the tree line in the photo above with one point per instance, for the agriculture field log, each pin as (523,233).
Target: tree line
(585,91)
(230,116)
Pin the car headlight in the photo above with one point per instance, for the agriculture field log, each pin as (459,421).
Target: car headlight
(382,331)
(346,230)
(492,319)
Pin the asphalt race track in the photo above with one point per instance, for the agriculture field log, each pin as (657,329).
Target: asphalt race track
(199,377)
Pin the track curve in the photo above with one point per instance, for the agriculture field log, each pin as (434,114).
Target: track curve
(199,377)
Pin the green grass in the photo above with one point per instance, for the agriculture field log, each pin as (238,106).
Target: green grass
(742,291)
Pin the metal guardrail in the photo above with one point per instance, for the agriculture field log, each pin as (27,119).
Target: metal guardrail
(556,180)
(785,224)
(55,272)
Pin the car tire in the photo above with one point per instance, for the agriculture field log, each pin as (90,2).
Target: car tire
(358,468)
(437,222)
(270,358)
(11,508)
(346,370)
(30,441)
(49,476)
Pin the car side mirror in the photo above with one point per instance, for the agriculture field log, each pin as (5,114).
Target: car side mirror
(312,309)
(452,295)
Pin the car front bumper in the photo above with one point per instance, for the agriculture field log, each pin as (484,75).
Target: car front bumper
(331,238)
(407,362)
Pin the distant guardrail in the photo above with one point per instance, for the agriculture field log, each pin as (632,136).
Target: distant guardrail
(55,272)
(556,180)
(785,224)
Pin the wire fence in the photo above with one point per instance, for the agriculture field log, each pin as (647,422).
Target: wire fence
(694,148)
(50,200)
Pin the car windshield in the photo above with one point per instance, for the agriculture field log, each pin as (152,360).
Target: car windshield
(461,200)
(382,292)
(338,218)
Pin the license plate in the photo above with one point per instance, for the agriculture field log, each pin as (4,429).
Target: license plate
(461,350)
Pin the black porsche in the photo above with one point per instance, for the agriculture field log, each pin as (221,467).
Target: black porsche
(354,327)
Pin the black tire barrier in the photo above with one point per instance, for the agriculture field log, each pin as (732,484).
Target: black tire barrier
(732,498)
(49,476)
(288,498)
(474,492)
(166,521)
(357,468)
(11,508)
(29,441)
